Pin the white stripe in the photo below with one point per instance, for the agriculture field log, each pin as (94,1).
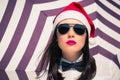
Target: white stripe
(31,75)
(107,16)
(12,75)
(3,6)
(41,44)
(108,31)
(12,25)
(110,6)
(54,5)
(91,8)
(20,50)
(109,47)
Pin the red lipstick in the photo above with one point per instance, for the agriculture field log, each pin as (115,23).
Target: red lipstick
(71,42)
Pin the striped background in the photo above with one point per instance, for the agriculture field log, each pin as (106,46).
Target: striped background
(26,25)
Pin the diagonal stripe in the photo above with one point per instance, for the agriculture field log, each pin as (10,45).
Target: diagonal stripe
(86,2)
(94,50)
(108,38)
(54,11)
(31,75)
(6,17)
(116,1)
(3,75)
(108,31)
(108,10)
(22,75)
(12,75)
(17,35)
(115,4)
(108,16)
(108,23)
(3,6)
(93,15)
(12,25)
(24,40)
(106,45)
(33,42)
(111,7)
(43,41)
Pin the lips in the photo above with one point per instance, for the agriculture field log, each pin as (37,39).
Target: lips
(71,42)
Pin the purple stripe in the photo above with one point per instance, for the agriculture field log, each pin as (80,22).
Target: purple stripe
(93,15)
(94,50)
(108,38)
(109,24)
(108,10)
(114,4)
(17,35)
(6,17)
(3,75)
(22,75)
(85,3)
(42,1)
(105,53)
(33,42)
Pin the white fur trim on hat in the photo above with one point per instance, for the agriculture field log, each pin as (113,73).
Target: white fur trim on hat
(92,41)
(75,15)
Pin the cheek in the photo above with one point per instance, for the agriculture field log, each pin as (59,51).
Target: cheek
(81,43)
(61,41)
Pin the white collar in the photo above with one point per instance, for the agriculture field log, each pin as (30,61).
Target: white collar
(78,60)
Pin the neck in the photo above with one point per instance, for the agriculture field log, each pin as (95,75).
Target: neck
(71,58)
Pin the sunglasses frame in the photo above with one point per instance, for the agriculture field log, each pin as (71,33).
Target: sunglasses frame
(82,28)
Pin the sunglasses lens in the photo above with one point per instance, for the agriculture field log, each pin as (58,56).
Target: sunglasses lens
(63,28)
(79,29)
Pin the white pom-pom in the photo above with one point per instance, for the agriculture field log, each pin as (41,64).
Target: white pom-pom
(92,41)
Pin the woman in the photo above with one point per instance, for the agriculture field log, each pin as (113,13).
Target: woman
(68,56)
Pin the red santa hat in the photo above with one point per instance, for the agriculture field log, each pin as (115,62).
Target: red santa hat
(76,11)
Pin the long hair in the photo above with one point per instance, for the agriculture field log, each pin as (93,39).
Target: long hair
(54,55)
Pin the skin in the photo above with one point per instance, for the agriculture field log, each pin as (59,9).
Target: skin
(71,52)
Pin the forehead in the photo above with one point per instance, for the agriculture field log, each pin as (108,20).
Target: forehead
(70,21)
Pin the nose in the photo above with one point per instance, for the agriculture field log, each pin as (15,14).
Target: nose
(71,33)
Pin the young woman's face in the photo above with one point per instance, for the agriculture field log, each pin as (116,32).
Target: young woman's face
(70,42)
